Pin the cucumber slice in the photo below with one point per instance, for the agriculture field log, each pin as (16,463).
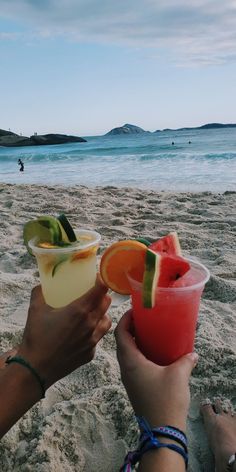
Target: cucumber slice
(62,259)
(150,278)
(67,228)
(45,228)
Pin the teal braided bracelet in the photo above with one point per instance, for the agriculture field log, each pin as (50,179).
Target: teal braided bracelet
(20,360)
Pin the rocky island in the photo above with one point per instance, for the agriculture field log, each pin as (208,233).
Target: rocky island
(9,139)
(126,129)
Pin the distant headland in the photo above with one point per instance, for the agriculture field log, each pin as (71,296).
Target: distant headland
(132,129)
(9,139)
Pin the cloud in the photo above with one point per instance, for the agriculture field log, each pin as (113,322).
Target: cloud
(9,36)
(195,32)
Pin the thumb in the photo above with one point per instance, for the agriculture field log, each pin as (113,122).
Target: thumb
(36,295)
(92,298)
(187,363)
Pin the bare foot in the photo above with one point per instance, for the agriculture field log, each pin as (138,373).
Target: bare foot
(221,431)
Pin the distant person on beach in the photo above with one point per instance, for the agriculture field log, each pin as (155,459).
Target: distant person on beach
(21,164)
(57,341)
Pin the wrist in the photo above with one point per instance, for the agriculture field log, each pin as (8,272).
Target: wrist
(169,442)
(24,362)
(165,432)
(24,380)
(162,459)
(37,363)
(176,421)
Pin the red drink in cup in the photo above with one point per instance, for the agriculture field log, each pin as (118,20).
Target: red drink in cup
(165,289)
(167,331)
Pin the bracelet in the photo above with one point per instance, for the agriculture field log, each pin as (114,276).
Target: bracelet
(20,360)
(172,433)
(149,441)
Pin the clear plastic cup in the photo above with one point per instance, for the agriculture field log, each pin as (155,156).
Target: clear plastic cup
(167,331)
(68,272)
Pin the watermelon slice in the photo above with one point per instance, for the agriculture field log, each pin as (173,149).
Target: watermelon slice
(143,241)
(168,244)
(150,278)
(171,269)
(161,270)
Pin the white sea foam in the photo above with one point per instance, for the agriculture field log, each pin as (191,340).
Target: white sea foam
(146,161)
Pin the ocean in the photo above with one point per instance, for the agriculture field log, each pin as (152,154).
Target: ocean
(199,160)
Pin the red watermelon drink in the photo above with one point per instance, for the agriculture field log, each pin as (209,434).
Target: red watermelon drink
(165,291)
(166,330)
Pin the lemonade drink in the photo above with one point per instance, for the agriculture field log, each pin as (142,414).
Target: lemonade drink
(67,272)
(166,332)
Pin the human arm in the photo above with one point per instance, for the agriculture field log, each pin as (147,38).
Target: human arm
(55,342)
(159,394)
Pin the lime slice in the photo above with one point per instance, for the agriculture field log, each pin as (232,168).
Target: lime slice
(45,228)
(150,278)
(67,228)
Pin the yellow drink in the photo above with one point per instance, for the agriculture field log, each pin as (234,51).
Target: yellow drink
(68,272)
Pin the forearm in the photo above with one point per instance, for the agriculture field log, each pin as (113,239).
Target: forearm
(19,391)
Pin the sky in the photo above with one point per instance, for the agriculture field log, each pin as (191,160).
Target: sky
(85,66)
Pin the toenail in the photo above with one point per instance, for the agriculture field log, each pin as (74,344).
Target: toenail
(206,402)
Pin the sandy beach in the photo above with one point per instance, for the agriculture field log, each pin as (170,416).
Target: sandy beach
(85,423)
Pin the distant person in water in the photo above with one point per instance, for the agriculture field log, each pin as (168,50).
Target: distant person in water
(173,143)
(189,142)
(21,164)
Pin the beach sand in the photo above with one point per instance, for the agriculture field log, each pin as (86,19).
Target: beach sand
(86,423)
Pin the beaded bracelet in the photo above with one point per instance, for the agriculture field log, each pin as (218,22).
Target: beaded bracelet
(149,441)
(20,360)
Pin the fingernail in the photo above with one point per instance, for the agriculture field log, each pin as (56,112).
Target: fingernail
(194,357)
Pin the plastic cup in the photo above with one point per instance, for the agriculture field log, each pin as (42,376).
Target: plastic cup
(167,331)
(68,272)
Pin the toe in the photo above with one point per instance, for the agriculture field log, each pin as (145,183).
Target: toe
(207,410)
(218,407)
(229,411)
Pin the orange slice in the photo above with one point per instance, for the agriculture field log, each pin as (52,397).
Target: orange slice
(120,259)
(84,254)
(45,245)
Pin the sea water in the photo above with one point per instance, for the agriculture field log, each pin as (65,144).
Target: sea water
(198,160)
